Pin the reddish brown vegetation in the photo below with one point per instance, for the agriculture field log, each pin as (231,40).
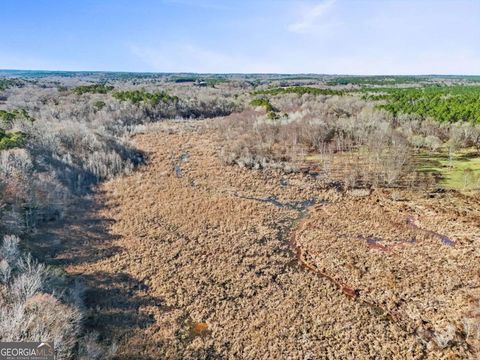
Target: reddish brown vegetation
(411,271)
(207,263)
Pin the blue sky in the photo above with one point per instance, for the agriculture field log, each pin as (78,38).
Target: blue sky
(287,36)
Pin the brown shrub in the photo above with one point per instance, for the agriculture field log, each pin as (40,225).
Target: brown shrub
(353,142)
(27,313)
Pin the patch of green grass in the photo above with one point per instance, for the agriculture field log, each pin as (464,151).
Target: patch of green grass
(313,157)
(461,171)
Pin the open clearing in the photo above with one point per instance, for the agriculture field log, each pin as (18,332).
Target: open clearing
(190,258)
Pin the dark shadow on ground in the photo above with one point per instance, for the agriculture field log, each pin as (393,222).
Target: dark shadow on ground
(115,300)
(81,237)
(112,300)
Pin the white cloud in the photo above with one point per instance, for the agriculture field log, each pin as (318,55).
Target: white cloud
(309,19)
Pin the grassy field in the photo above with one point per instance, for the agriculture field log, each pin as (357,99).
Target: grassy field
(460,171)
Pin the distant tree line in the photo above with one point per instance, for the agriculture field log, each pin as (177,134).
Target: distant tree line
(138,96)
(92,89)
(300,90)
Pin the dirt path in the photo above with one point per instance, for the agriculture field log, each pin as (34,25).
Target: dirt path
(190,259)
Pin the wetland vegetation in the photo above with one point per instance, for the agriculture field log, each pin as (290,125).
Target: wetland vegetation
(163,215)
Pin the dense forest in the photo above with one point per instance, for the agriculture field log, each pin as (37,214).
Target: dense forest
(442,103)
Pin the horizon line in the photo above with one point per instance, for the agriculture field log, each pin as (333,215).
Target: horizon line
(229,73)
